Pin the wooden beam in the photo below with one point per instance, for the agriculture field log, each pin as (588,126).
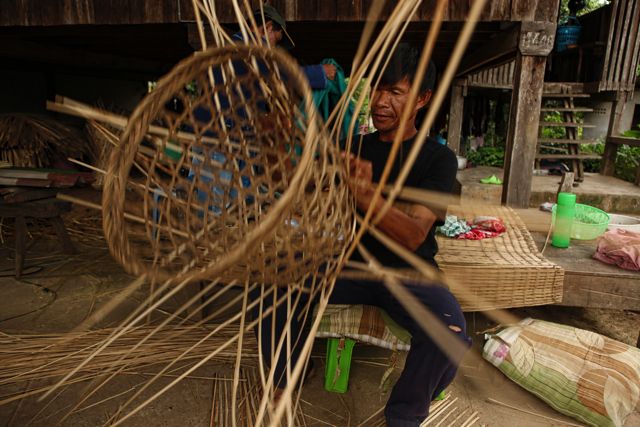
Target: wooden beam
(536,38)
(587,282)
(503,45)
(522,134)
(623,140)
(530,38)
(566,183)
(28,51)
(534,44)
(87,12)
(611,148)
(615,291)
(454,127)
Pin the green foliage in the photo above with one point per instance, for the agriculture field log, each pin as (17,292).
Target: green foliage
(633,133)
(590,6)
(626,164)
(553,132)
(592,165)
(364,115)
(487,156)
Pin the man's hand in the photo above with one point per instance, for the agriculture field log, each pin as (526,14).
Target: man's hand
(407,224)
(329,71)
(360,178)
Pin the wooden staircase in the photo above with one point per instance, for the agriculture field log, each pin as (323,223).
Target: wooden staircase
(560,98)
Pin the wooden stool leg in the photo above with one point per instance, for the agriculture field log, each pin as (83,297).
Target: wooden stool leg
(63,236)
(21,240)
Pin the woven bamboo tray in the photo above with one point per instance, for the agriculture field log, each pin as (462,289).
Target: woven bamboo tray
(502,272)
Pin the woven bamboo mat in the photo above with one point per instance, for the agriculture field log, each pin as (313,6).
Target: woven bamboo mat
(501,272)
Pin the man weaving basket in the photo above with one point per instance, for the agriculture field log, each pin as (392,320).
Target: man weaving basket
(427,370)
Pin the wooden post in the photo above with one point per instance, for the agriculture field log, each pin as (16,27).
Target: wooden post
(611,149)
(566,183)
(536,42)
(21,243)
(454,127)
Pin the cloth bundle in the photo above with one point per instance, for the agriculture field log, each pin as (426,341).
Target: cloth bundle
(328,98)
(579,373)
(619,247)
(481,227)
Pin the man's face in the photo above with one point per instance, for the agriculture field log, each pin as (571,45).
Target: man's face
(388,103)
(274,33)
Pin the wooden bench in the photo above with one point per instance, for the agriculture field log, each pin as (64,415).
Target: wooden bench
(49,208)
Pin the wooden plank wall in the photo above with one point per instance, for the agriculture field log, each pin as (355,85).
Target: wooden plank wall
(356,10)
(72,12)
(79,12)
(623,46)
(498,77)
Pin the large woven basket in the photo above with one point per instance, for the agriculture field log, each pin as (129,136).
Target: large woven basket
(223,172)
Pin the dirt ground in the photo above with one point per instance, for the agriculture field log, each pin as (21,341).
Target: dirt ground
(59,291)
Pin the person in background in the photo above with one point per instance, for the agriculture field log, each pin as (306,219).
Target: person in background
(275,31)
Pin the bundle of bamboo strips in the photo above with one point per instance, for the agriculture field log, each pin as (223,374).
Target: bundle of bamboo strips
(36,142)
(102,138)
(83,225)
(36,357)
(246,404)
(443,413)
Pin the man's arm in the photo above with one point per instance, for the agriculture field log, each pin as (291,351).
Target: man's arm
(407,224)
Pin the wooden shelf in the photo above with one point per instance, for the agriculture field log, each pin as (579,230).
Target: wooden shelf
(569,156)
(565,125)
(566,141)
(623,140)
(566,95)
(565,109)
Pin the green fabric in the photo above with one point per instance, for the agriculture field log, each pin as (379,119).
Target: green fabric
(326,99)
(453,226)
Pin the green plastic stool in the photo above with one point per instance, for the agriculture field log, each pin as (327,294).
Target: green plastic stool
(336,374)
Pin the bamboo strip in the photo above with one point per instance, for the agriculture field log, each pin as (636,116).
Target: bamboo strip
(515,408)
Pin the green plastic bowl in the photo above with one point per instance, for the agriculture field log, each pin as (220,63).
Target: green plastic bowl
(588,223)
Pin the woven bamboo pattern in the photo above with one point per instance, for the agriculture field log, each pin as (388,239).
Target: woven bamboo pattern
(507,271)
(501,272)
(243,185)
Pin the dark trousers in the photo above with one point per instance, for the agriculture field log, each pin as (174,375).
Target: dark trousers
(427,369)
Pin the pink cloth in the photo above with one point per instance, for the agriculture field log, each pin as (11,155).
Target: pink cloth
(621,248)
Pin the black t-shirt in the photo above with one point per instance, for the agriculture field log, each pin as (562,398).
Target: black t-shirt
(434,169)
